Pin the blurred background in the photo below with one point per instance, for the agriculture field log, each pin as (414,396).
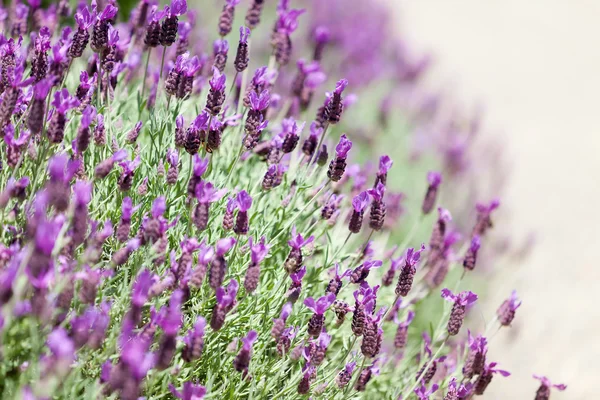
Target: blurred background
(534,65)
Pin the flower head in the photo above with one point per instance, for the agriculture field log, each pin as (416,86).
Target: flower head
(224,245)
(85,18)
(298,242)
(207,193)
(547,383)
(244,201)
(190,391)
(260,102)
(321,305)
(297,276)
(343,147)
(217,82)
(377,192)
(464,298)
(244,34)
(412,256)
(259,250)
(360,201)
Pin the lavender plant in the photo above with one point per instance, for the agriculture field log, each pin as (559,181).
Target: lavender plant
(141,255)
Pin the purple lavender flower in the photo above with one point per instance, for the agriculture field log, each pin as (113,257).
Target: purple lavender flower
(241,362)
(216,94)
(194,341)
(279,323)
(438,234)
(484,220)
(129,168)
(218,268)
(258,104)
(308,372)
(471,257)
(335,284)
(365,376)
(133,134)
(506,312)
(225,302)
(422,392)
(543,392)
(335,107)
(296,286)
(100,31)
(385,164)
(310,144)
(372,335)
(258,252)
(35,119)
(377,212)
(244,202)
(407,274)
(294,259)
(338,164)
(220,50)
(286,24)
(345,375)
(227,16)
(84,18)
(253,14)
(475,361)
(206,194)
(321,36)
(90,328)
(228,216)
(457,314)
(361,273)
(401,337)
(359,204)
(241,56)
(434,179)
(121,256)
(62,103)
(170,25)
(486,377)
(318,349)
(170,322)
(39,61)
(315,325)
(190,391)
(62,351)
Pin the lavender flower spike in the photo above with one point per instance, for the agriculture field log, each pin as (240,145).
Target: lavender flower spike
(242,360)
(338,164)
(543,392)
(345,375)
(225,302)
(216,94)
(471,257)
(241,56)
(258,252)
(191,391)
(315,325)
(294,259)
(244,202)
(407,274)
(486,377)
(377,212)
(385,164)
(279,323)
(336,106)
(434,179)
(401,337)
(194,341)
(359,204)
(506,312)
(457,315)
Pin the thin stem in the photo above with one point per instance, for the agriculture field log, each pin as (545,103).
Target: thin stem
(162,62)
(146,73)
(293,219)
(233,85)
(98,84)
(318,148)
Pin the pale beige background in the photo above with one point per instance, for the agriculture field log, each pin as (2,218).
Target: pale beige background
(536,66)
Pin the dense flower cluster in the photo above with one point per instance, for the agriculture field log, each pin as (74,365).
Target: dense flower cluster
(180,221)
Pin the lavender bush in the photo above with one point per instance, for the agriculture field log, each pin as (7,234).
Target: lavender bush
(202,202)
